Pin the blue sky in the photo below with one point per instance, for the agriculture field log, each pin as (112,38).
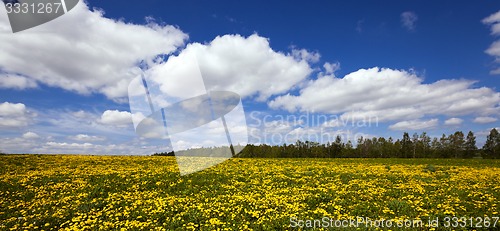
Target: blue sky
(359,34)
(408,65)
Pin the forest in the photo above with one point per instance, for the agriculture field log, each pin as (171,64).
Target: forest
(456,145)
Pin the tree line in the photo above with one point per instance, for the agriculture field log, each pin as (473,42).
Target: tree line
(456,145)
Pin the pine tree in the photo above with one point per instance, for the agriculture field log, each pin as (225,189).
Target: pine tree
(391,148)
(398,148)
(445,151)
(349,150)
(337,146)
(492,146)
(457,143)
(415,145)
(470,145)
(425,141)
(436,148)
(360,147)
(405,145)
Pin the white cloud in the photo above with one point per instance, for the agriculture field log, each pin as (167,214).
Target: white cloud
(247,66)
(51,147)
(116,118)
(87,138)
(486,132)
(389,95)
(280,129)
(17,144)
(303,54)
(46,146)
(88,52)
(484,120)
(11,122)
(494,49)
(81,114)
(409,20)
(453,121)
(65,123)
(12,109)
(59,127)
(278,126)
(16,82)
(494,21)
(414,125)
(331,68)
(101,55)
(30,135)
(13,115)
(71,145)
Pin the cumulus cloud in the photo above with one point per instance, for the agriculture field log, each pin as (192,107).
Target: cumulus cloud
(13,122)
(101,55)
(127,148)
(88,52)
(25,145)
(59,127)
(331,68)
(414,125)
(453,121)
(64,123)
(278,126)
(18,144)
(486,132)
(409,20)
(14,81)
(68,124)
(116,118)
(389,95)
(30,135)
(279,129)
(13,115)
(12,109)
(303,54)
(494,49)
(86,138)
(245,65)
(484,120)
(71,145)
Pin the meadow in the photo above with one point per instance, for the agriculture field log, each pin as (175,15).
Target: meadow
(72,192)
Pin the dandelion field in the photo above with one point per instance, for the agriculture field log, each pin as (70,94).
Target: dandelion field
(70,192)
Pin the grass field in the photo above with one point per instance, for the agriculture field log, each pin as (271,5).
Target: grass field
(104,192)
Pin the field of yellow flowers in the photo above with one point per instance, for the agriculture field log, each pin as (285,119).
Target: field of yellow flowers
(71,192)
